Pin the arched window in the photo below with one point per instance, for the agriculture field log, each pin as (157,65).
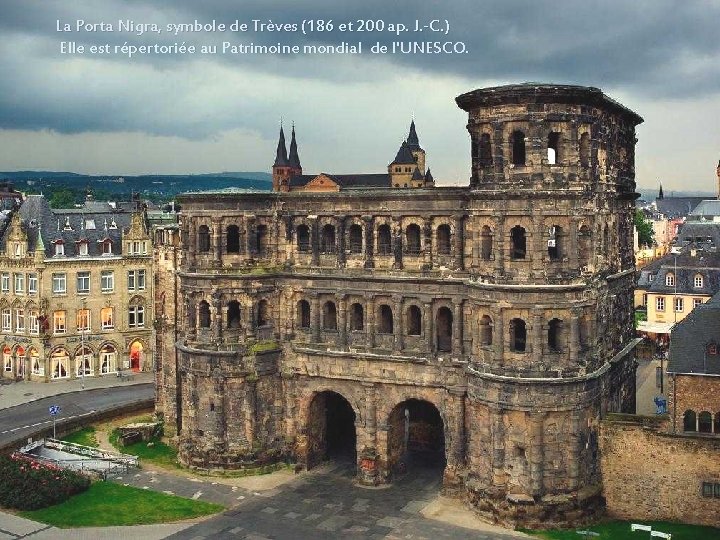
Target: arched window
(329,316)
(59,362)
(554,246)
(204,314)
(443,239)
(357,317)
(384,240)
(233,314)
(303,314)
(698,281)
(518,244)
(412,236)
(704,422)
(554,335)
(485,157)
(486,328)
(263,313)
(386,320)
(584,243)
(518,335)
(670,279)
(233,239)
(327,239)
(689,421)
(83,362)
(553,152)
(585,150)
(356,241)
(517,141)
(108,359)
(414,321)
(203,239)
(443,326)
(303,238)
(486,243)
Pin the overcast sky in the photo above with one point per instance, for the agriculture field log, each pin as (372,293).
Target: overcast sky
(109,114)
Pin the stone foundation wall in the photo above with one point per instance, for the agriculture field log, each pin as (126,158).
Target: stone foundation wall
(651,475)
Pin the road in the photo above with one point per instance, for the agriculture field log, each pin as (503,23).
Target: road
(22,421)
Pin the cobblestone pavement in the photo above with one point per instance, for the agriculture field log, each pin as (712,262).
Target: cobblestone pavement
(322,504)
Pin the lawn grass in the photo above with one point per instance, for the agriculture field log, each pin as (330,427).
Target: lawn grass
(107,504)
(620,530)
(84,436)
(159,453)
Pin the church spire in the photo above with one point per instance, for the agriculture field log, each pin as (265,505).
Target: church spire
(412,139)
(281,159)
(660,193)
(294,160)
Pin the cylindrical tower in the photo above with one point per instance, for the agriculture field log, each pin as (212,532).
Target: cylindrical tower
(552,201)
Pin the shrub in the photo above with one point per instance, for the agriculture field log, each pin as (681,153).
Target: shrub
(26,484)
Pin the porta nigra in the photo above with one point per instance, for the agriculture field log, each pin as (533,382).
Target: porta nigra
(485,330)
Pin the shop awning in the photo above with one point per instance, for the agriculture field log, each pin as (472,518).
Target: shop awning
(654,327)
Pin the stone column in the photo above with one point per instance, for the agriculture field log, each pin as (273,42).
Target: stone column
(397,233)
(398,326)
(251,237)
(315,241)
(498,336)
(456,448)
(574,338)
(537,252)
(499,250)
(217,309)
(289,237)
(191,242)
(369,242)
(316,318)
(428,253)
(537,334)
(457,348)
(370,314)
(572,249)
(243,236)
(459,241)
(427,319)
(341,242)
(342,320)
(476,240)
(368,458)
(498,448)
(537,453)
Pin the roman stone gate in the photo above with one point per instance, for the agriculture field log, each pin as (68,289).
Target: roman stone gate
(481,331)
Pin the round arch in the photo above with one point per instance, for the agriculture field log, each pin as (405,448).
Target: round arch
(136,350)
(330,428)
(416,437)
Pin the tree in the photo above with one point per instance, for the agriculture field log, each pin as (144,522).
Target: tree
(644,228)
(62,198)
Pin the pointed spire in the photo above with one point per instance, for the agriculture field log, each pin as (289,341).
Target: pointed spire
(281,159)
(417,175)
(404,156)
(294,159)
(412,138)
(429,177)
(660,194)
(40,244)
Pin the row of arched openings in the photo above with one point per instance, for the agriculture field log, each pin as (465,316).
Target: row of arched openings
(704,422)
(233,239)
(328,241)
(518,153)
(232,314)
(518,335)
(385,323)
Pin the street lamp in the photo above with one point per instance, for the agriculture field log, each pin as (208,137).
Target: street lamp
(82,341)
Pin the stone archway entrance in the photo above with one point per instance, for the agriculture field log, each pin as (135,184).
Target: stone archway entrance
(330,429)
(136,352)
(416,437)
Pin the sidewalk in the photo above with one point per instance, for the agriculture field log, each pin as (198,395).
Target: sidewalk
(17,393)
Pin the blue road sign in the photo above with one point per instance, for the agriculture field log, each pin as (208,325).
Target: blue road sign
(54,409)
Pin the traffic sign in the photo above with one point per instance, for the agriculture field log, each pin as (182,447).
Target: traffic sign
(54,409)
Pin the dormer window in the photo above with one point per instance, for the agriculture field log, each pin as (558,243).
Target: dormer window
(59,248)
(18,250)
(83,248)
(670,280)
(113,225)
(67,226)
(698,282)
(107,247)
(90,224)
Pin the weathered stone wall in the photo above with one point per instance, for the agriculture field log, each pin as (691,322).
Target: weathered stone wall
(506,307)
(696,393)
(652,475)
